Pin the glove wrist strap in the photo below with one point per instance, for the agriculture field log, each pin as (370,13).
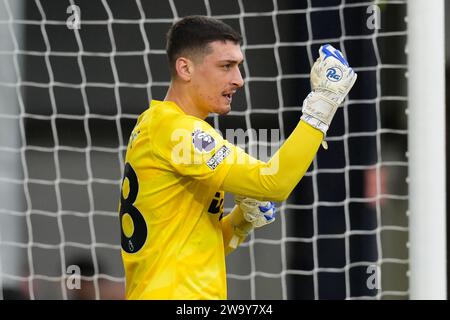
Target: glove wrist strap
(315,123)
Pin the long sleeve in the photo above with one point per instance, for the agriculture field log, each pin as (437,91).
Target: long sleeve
(275,179)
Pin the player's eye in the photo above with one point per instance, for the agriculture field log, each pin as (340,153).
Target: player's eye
(227,66)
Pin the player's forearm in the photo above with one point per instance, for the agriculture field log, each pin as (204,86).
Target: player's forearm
(276,179)
(234,229)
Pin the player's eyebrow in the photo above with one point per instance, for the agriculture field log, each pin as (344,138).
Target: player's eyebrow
(230,61)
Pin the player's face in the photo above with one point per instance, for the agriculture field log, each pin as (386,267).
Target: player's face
(217,77)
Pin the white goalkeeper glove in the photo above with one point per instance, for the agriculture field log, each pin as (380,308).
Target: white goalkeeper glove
(258,213)
(331,80)
(255,214)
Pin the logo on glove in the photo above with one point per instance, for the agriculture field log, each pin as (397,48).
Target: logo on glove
(334,74)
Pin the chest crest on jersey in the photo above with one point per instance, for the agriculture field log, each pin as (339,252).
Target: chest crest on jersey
(133,137)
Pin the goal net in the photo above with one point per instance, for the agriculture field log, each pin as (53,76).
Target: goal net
(70,94)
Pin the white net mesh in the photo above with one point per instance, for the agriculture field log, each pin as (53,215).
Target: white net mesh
(69,99)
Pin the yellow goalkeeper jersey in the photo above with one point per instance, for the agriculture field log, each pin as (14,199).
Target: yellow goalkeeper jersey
(171,201)
(170,207)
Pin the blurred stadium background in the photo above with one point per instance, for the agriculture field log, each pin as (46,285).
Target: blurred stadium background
(70,97)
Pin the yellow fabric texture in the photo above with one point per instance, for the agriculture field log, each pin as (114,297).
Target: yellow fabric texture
(181,204)
(275,179)
(177,169)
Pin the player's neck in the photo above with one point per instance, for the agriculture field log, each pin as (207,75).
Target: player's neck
(184,101)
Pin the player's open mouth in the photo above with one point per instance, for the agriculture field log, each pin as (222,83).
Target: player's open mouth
(228,96)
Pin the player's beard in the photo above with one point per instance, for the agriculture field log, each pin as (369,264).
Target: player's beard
(221,106)
(224,108)
(224,112)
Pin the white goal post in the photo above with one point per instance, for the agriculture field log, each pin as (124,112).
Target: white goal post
(426,122)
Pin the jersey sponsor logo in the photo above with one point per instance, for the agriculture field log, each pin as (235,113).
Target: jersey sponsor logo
(334,74)
(218,157)
(203,141)
(216,205)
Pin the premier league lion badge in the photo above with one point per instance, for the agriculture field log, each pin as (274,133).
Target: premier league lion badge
(203,141)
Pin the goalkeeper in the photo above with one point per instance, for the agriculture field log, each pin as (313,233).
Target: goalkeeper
(174,237)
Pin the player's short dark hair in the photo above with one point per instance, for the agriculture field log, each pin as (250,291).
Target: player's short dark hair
(192,34)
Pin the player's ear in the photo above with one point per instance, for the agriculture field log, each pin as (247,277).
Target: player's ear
(184,68)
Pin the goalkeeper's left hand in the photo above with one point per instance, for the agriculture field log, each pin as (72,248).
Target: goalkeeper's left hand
(331,80)
(248,214)
(258,213)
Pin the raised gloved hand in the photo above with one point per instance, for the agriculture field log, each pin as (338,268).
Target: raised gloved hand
(331,80)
